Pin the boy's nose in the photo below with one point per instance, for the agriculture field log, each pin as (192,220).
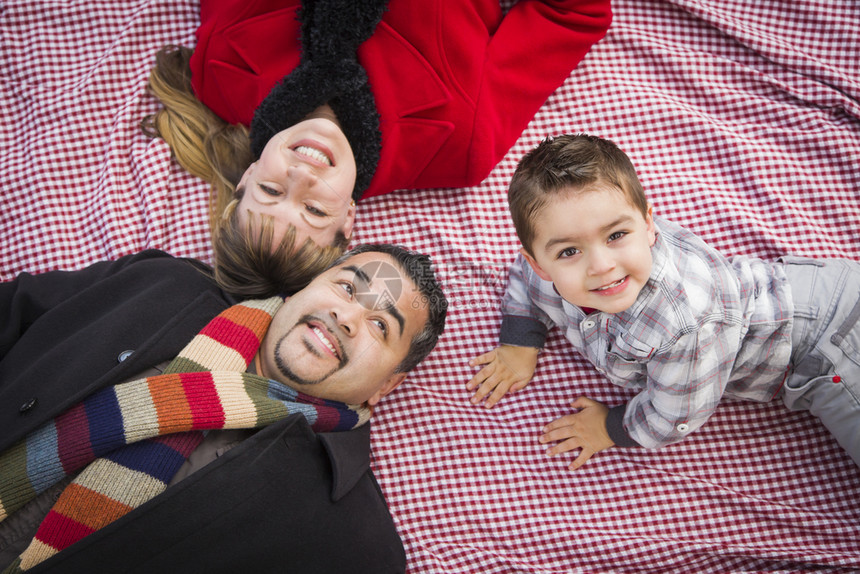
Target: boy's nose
(600,261)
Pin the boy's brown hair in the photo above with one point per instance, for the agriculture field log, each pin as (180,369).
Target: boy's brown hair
(563,164)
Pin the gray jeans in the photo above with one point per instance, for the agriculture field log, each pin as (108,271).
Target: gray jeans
(825,357)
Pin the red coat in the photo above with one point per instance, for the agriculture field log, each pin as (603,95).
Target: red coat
(455,82)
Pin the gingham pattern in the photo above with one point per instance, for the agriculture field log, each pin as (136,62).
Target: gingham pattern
(742,118)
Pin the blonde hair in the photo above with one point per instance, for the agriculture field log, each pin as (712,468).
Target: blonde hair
(247,265)
(202,143)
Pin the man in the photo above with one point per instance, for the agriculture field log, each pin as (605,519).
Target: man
(284,498)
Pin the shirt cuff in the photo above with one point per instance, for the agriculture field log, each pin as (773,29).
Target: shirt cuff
(615,427)
(522,332)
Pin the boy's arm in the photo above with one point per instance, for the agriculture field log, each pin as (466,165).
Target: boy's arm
(685,385)
(524,324)
(615,427)
(509,367)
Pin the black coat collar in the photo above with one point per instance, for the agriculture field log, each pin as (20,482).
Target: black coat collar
(349,453)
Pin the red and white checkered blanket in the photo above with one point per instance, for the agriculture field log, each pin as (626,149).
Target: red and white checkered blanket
(743,119)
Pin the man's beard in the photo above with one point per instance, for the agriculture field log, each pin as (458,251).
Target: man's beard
(288,372)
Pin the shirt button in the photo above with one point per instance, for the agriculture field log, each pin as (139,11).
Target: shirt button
(123,356)
(588,323)
(28,405)
(683,427)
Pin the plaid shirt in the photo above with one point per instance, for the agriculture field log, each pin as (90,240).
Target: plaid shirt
(703,327)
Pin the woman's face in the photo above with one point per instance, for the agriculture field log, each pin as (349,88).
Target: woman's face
(304,177)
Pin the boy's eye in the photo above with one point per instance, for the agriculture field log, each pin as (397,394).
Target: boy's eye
(569,252)
(617,235)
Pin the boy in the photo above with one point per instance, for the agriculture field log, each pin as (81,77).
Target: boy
(657,310)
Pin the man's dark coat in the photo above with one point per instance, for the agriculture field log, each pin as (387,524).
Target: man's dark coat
(285,500)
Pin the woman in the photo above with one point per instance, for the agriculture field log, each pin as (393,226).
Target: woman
(424,94)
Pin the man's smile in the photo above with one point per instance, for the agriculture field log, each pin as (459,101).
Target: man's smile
(326,340)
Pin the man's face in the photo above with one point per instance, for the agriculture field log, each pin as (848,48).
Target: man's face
(343,336)
(595,247)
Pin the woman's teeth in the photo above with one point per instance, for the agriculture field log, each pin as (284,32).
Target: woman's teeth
(313,154)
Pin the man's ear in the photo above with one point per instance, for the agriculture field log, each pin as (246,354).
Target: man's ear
(534,265)
(389,385)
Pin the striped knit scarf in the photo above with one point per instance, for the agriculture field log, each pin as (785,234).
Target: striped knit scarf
(132,438)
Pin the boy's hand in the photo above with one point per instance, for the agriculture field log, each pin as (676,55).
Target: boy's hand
(584,430)
(508,369)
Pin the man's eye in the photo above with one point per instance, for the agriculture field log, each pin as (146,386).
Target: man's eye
(382,326)
(347,288)
(314,211)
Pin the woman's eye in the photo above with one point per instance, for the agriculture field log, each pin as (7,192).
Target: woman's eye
(269,190)
(314,211)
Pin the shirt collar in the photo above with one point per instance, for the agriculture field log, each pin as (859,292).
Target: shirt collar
(659,256)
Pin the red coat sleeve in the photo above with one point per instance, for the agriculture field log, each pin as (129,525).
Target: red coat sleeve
(533,51)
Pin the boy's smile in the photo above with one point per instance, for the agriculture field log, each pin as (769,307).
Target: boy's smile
(595,247)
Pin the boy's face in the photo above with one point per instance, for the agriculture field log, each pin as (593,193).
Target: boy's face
(595,247)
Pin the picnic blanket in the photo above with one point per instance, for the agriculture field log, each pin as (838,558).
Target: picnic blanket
(743,119)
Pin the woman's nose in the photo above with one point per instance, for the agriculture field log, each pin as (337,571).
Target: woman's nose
(301,175)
